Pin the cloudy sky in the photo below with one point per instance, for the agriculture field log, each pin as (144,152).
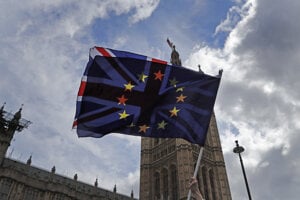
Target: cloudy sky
(44,48)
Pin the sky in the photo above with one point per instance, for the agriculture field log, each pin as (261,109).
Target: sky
(44,49)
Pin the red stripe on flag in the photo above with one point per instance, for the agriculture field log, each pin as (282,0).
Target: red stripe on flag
(103,51)
(74,124)
(82,88)
(159,61)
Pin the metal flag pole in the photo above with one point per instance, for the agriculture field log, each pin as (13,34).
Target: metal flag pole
(196,169)
(239,149)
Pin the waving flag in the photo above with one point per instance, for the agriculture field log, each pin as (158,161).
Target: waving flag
(127,93)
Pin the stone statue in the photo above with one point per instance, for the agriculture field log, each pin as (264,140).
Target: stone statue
(29,160)
(175,60)
(53,170)
(200,70)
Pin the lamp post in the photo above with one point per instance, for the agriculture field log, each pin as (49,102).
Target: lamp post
(239,149)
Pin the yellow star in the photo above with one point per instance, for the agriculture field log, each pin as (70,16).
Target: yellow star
(180,98)
(128,86)
(174,112)
(173,82)
(180,89)
(143,128)
(162,125)
(123,115)
(142,77)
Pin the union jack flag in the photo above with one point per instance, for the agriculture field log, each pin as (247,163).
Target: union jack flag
(122,92)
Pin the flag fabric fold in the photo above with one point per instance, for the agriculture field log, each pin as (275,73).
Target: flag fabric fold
(122,92)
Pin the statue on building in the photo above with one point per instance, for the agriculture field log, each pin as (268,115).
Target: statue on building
(200,70)
(132,195)
(96,182)
(29,160)
(53,170)
(175,60)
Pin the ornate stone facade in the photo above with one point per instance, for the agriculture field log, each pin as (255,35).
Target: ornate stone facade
(20,181)
(168,164)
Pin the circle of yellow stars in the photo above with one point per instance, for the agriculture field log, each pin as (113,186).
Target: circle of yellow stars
(174,112)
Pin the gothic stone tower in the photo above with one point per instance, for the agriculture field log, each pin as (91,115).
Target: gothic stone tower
(9,124)
(168,164)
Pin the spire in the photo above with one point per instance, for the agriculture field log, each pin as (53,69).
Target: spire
(14,123)
(2,108)
(53,169)
(131,195)
(220,72)
(75,177)
(18,115)
(29,160)
(2,119)
(9,124)
(17,123)
(200,70)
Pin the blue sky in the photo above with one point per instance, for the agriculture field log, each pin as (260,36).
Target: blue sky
(44,49)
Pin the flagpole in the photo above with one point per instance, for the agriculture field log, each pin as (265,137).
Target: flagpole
(196,169)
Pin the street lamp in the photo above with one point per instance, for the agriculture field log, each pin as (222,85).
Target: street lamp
(239,149)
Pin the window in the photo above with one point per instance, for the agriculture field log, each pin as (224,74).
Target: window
(5,185)
(157,185)
(174,182)
(59,196)
(31,193)
(165,184)
(212,184)
(205,183)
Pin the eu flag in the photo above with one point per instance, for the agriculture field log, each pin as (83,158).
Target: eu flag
(122,92)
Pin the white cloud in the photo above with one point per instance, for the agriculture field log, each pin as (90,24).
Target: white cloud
(42,59)
(259,92)
(234,16)
(67,17)
(42,56)
(144,9)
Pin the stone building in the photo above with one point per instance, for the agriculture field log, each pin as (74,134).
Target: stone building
(21,181)
(168,164)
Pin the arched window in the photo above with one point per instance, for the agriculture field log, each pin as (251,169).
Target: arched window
(165,184)
(174,186)
(212,184)
(5,186)
(205,183)
(157,185)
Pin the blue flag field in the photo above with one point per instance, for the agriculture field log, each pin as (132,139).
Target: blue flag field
(122,92)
